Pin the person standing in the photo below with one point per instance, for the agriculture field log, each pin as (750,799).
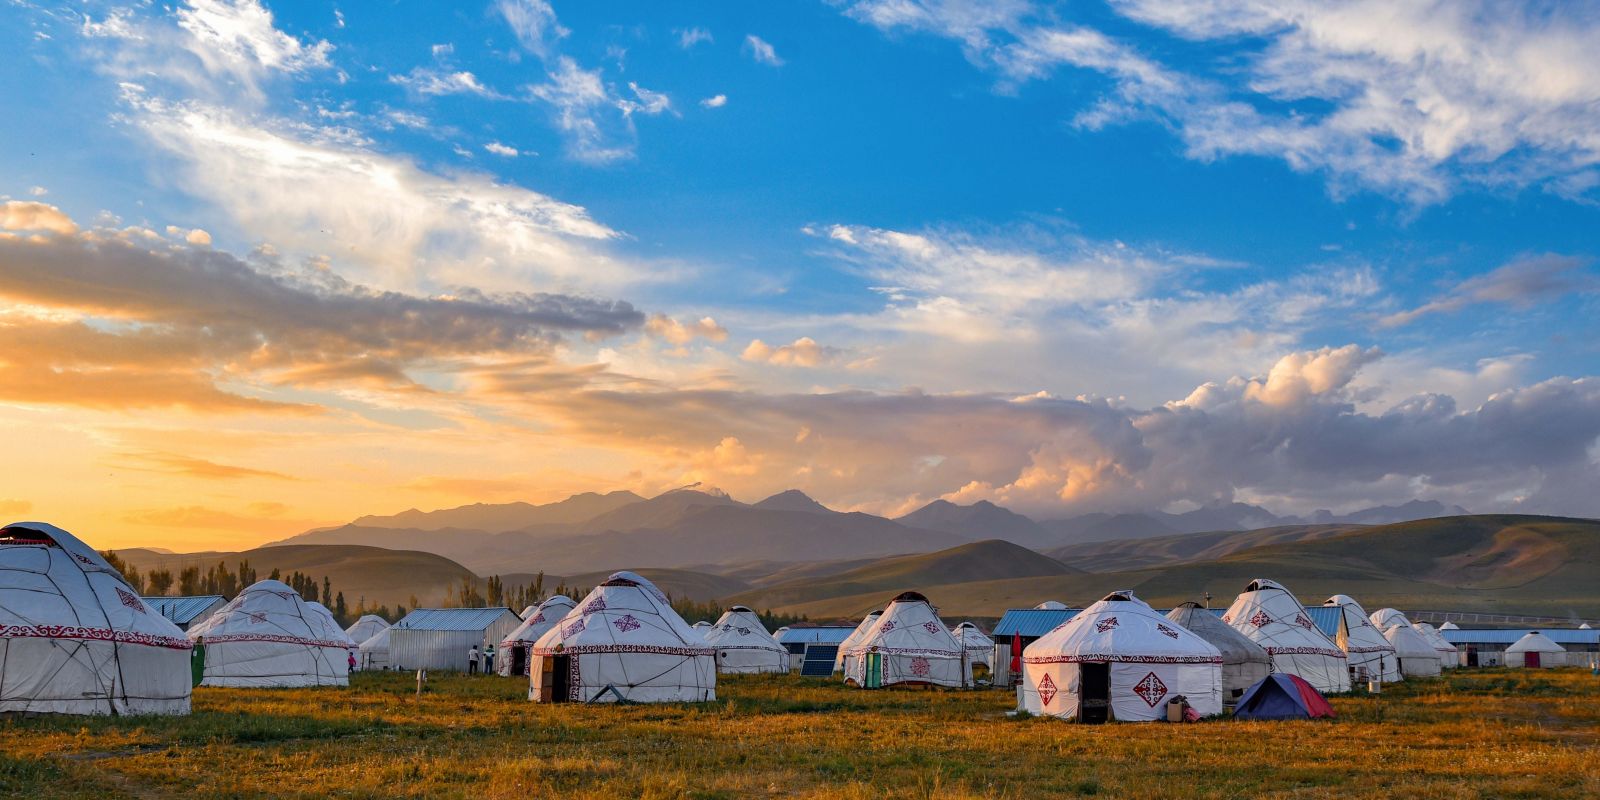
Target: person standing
(488,659)
(472,660)
(197,660)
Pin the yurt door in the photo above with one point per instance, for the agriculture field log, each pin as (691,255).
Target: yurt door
(1094,692)
(519,660)
(560,679)
(1530,659)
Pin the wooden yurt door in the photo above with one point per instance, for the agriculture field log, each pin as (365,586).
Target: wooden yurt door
(1530,659)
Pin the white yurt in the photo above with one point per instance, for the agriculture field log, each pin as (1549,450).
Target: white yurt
(1244,663)
(908,644)
(365,628)
(269,637)
(979,647)
(1120,660)
(1051,605)
(1449,656)
(1418,658)
(701,628)
(841,661)
(536,621)
(374,652)
(75,638)
(1269,615)
(1368,654)
(1585,627)
(1449,626)
(623,642)
(528,611)
(1385,617)
(1535,650)
(743,644)
(352,645)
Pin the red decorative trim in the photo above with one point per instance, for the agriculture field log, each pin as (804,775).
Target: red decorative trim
(625,648)
(30,542)
(93,635)
(130,601)
(1370,650)
(1120,659)
(1166,631)
(1105,625)
(1150,689)
(907,651)
(1260,619)
(1304,651)
(271,637)
(920,667)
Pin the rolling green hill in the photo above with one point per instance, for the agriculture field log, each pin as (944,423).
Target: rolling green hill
(1126,554)
(1500,563)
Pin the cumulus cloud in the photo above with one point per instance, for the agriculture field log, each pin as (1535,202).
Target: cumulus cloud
(689,37)
(674,332)
(1411,98)
(502,149)
(1520,283)
(21,215)
(762,51)
(803,352)
(714,101)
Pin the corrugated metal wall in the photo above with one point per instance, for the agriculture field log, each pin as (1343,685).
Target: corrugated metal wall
(447,650)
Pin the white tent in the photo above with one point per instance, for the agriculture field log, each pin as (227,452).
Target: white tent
(1449,656)
(1449,626)
(701,628)
(1243,661)
(743,644)
(1119,659)
(536,621)
(75,638)
(980,648)
(374,652)
(623,642)
(841,661)
(908,644)
(1418,658)
(269,637)
(1535,650)
(1368,654)
(1270,616)
(1051,605)
(1385,617)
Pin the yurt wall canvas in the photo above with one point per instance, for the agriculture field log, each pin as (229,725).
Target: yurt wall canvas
(1269,615)
(743,645)
(908,644)
(268,636)
(1536,650)
(1417,658)
(1368,654)
(75,638)
(841,662)
(513,658)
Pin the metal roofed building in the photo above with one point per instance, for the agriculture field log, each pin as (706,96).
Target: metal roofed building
(186,611)
(1486,647)
(440,638)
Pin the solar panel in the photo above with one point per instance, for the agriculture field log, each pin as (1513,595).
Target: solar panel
(819,660)
(817,669)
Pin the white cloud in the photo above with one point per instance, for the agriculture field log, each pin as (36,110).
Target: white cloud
(803,352)
(674,332)
(648,103)
(23,215)
(432,82)
(502,149)
(442,50)
(1520,283)
(598,123)
(714,101)
(689,37)
(762,51)
(239,38)
(534,23)
(38,191)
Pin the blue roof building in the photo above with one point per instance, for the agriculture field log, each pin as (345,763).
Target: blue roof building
(186,611)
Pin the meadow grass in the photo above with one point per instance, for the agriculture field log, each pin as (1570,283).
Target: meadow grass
(1480,733)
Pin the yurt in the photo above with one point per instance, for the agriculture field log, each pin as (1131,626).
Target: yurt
(536,621)
(528,611)
(1417,658)
(743,644)
(1051,605)
(75,638)
(1369,656)
(1385,617)
(374,652)
(1120,660)
(623,642)
(365,628)
(909,644)
(269,637)
(980,648)
(1269,615)
(1535,650)
(1244,663)
(1449,626)
(701,628)
(351,644)
(1449,656)
(841,661)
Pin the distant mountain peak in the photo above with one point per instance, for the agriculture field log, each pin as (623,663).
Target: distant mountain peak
(793,500)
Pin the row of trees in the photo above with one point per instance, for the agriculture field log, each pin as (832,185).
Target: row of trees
(219,579)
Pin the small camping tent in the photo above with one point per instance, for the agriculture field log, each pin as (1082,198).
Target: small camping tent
(1243,662)
(841,661)
(1119,659)
(1368,654)
(1417,658)
(1270,616)
(909,644)
(513,657)
(74,636)
(1449,656)
(623,642)
(269,637)
(743,644)
(980,648)
(1536,650)
(1282,696)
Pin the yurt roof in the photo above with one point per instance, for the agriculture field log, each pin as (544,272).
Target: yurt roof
(1535,642)
(908,626)
(1449,626)
(541,618)
(740,628)
(283,611)
(1408,643)
(625,613)
(1122,628)
(1236,648)
(1051,605)
(1289,627)
(1362,635)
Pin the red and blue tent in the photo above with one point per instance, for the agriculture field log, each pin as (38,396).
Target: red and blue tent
(1282,696)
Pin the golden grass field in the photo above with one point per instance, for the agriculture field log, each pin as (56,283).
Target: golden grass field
(1479,733)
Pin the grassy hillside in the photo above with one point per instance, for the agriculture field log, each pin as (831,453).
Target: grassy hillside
(979,561)
(1113,556)
(383,577)
(1495,563)
(782,736)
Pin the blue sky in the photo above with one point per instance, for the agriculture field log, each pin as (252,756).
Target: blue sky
(1106,202)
